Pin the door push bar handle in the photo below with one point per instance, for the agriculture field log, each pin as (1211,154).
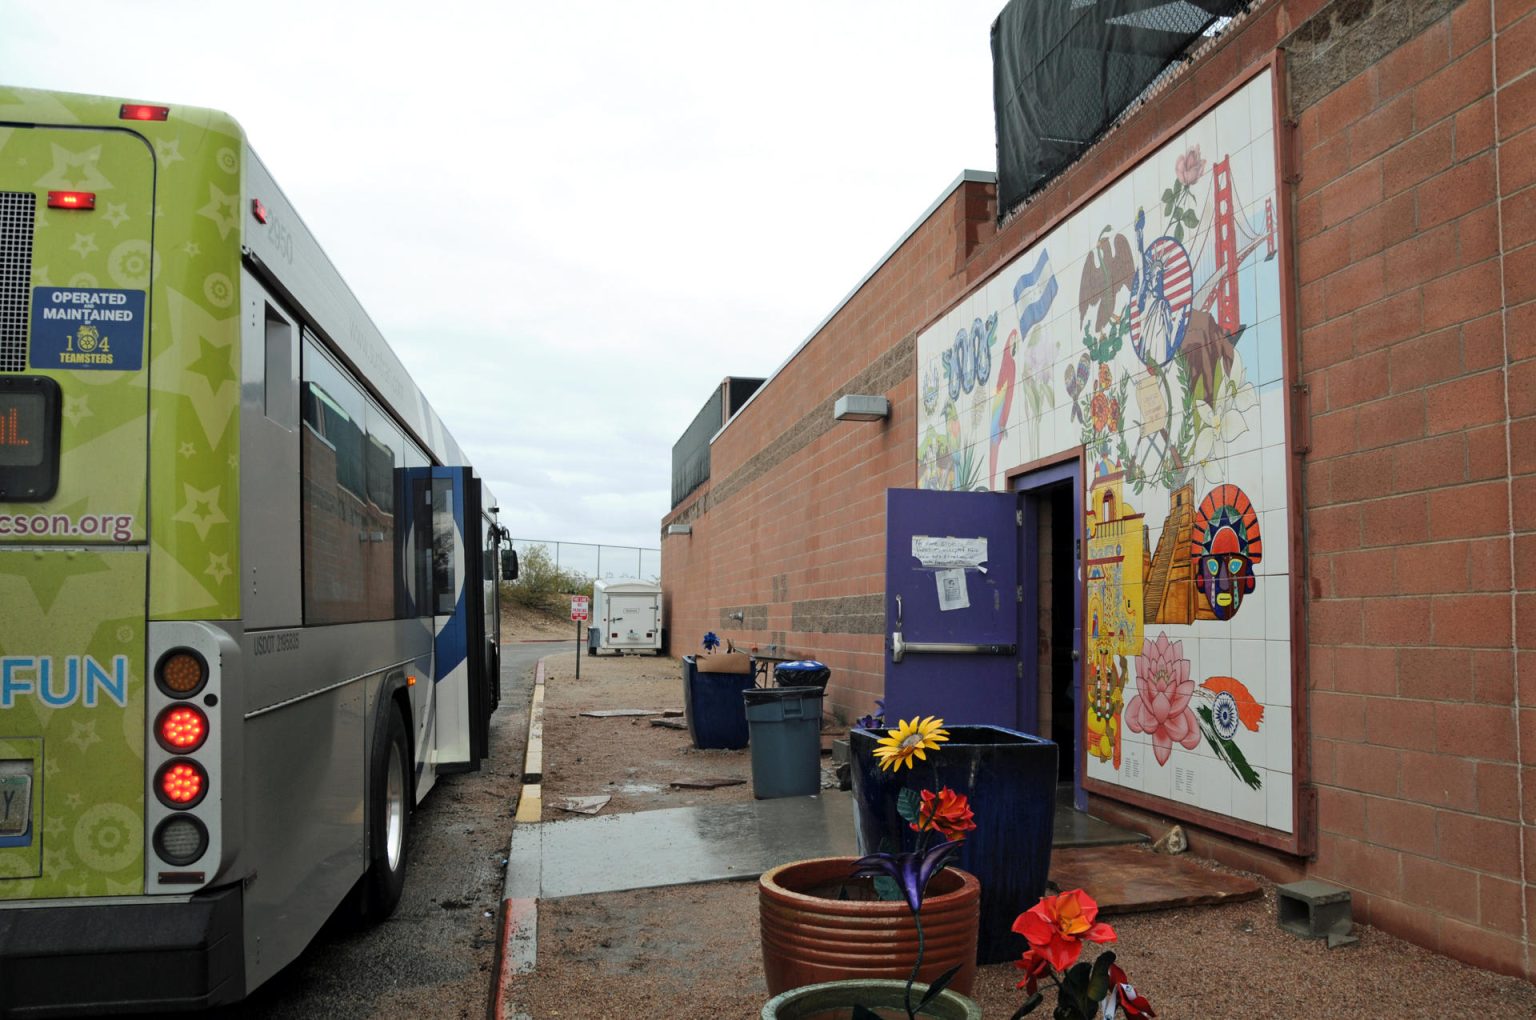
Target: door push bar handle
(900,647)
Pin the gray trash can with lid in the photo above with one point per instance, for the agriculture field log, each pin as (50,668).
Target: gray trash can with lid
(785,724)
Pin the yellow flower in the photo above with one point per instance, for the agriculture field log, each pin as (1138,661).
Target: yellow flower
(908,741)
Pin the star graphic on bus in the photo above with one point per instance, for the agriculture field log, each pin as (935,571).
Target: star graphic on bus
(57,861)
(218,567)
(74,171)
(84,244)
(169,151)
(214,364)
(74,800)
(222,209)
(204,521)
(77,408)
(54,827)
(116,214)
(192,248)
(83,735)
(187,450)
(196,337)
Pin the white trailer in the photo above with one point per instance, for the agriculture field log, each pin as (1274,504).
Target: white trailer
(626,616)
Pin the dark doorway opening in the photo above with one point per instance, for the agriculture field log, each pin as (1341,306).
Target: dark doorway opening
(1051,600)
(1057,586)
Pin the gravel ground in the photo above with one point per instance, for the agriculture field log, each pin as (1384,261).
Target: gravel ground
(693,951)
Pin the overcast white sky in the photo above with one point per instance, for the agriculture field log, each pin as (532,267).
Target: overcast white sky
(570,220)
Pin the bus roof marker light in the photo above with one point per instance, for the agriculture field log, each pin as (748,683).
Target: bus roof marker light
(143,111)
(258,210)
(71,200)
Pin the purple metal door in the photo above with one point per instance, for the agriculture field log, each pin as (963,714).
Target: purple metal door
(952,607)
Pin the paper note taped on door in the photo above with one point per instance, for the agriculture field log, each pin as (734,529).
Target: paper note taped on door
(952,591)
(934,552)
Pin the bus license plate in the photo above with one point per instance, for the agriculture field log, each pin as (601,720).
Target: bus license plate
(15,803)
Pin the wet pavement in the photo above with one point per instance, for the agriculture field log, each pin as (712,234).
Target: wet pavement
(675,846)
(679,846)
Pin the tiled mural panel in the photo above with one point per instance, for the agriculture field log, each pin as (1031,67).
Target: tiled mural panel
(1146,328)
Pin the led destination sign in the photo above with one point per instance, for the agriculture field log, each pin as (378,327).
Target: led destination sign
(29,438)
(21,429)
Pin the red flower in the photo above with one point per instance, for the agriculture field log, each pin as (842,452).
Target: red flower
(1057,927)
(1133,1004)
(950,813)
(1034,967)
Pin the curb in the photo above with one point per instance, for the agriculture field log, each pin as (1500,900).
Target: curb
(517,938)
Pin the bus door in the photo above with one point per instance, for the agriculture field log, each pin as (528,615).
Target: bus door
(463,698)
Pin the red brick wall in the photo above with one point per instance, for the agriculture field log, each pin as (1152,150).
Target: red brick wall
(1410,173)
(1412,233)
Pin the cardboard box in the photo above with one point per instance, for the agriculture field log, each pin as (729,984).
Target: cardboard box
(725,662)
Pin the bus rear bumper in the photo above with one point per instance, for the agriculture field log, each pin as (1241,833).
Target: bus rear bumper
(121,957)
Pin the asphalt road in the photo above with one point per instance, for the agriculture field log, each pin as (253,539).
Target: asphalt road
(433,958)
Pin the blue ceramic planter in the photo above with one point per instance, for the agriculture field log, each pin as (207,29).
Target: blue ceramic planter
(1010,778)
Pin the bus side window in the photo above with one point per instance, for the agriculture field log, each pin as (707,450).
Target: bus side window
(444,583)
(281,382)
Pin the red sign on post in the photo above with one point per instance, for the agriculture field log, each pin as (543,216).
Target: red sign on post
(579,608)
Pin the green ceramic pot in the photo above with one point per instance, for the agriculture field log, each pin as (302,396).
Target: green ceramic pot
(834,1000)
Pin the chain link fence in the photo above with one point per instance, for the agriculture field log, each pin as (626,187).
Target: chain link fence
(596,562)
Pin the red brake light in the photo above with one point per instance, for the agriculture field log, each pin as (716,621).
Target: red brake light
(258,210)
(141,111)
(182,728)
(71,200)
(181,783)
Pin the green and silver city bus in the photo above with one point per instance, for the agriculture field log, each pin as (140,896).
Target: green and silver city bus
(248,607)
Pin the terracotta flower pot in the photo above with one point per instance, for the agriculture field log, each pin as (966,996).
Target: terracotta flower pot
(834,1001)
(812,934)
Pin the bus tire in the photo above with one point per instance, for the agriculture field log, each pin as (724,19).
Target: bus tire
(389,818)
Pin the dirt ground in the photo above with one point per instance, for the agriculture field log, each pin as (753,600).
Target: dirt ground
(693,951)
(627,758)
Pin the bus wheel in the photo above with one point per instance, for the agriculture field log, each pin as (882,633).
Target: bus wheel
(389,818)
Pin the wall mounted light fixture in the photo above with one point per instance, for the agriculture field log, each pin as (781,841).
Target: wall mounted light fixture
(679,529)
(859,407)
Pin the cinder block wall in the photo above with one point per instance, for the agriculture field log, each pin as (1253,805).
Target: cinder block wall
(1413,144)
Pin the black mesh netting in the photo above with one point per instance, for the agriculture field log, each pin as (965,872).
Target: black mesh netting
(1063,70)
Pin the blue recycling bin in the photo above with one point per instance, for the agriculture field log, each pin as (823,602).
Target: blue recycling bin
(712,704)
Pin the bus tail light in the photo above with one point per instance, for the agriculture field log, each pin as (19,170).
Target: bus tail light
(72,200)
(181,673)
(143,111)
(181,728)
(181,783)
(180,840)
